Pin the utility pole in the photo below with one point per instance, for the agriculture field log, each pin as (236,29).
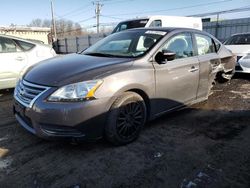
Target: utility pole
(217,25)
(97,14)
(53,21)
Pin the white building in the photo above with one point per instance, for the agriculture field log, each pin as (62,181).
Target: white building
(34,33)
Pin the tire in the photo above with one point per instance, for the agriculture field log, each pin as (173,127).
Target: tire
(126,118)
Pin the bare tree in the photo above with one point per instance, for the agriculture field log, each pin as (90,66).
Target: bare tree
(36,23)
(46,23)
(63,27)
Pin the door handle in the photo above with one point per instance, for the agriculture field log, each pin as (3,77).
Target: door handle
(193,69)
(19,58)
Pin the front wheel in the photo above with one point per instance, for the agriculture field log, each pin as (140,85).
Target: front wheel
(126,118)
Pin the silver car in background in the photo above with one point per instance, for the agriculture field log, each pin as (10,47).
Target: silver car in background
(16,55)
(239,44)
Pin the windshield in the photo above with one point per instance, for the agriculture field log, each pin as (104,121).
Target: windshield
(238,39)
(130,25)
(126,44)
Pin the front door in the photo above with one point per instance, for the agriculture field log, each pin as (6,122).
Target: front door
(177,80)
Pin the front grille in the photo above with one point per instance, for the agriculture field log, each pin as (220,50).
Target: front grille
(56,130)
(26,93)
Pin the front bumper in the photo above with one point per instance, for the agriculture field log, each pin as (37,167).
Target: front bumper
(80,120)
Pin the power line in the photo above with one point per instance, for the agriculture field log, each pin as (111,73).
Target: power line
(76,10)
(172,9)
(118,1)
(241,9)
(108,0)
(116,18)
(87,19)
(108,24)
(71,16)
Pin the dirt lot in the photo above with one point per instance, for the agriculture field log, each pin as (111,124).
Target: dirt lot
(206,145)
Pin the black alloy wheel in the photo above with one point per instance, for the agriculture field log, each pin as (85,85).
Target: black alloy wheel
(126,119)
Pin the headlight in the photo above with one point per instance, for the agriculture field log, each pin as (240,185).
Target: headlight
(246,57)
(76,92)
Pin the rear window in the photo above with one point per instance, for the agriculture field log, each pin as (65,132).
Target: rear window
(205,44)
(130,25)
(238,40)
(25,45)
(217,45)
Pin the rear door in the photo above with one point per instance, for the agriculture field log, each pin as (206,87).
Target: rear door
(209,62)
(177,80)
(12,60)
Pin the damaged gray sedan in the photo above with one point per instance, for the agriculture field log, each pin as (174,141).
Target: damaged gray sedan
(111,89)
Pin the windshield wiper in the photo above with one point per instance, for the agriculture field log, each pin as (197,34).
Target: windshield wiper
(99,54)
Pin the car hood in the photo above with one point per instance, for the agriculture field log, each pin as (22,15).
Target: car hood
(73,68)
(239,50)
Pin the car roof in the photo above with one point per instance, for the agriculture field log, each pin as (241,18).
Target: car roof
(247,33)
(153,17)
(171,29)
(166,29)
(17,38)
(136,19)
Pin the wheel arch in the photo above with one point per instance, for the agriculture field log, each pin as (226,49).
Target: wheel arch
(145,98)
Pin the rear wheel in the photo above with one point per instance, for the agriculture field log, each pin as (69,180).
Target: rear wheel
(126,119)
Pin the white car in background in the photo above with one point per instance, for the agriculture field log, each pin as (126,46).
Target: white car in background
(16,55)
(239,44)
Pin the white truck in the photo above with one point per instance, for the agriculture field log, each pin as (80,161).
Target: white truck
(160,21)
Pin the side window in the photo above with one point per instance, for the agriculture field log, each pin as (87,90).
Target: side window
(123,27)
(144,43)
(24,45)
(156,23)
(7,45)
(205,44)
(181,45)
(217,45)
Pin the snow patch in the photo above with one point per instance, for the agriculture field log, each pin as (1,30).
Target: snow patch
(5,163)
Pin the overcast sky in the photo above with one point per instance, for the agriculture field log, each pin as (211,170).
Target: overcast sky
(21,12)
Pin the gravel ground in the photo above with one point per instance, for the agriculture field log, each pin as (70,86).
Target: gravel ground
(206,145)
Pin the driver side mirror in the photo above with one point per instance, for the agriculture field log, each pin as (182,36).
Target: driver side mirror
(161,57)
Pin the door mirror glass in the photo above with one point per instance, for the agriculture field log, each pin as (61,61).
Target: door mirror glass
(169,55)
(164,56)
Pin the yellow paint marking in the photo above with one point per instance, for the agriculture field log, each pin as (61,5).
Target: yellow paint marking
(3,152)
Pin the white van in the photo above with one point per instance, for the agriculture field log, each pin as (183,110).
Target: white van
(160,21)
